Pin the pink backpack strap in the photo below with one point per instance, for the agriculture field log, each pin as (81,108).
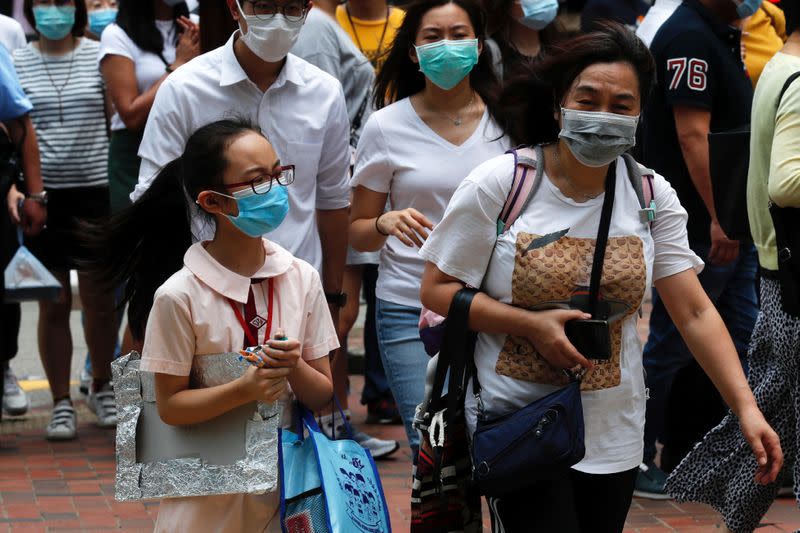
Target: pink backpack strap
(527,175)
(642,181)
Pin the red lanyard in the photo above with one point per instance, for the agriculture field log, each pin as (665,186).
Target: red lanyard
(250,339)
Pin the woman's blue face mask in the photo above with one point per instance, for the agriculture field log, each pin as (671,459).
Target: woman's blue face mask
(54,22)
(447,62)
(100,18)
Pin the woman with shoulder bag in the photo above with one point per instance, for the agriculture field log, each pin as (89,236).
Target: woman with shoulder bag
(414,152)
(717,470)
(535,277)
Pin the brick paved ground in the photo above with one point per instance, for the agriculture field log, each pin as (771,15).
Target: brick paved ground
(70,486)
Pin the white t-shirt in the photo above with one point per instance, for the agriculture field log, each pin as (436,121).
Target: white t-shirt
(400,155)
(12,36)
(149,67)
(656,16)
(530,272)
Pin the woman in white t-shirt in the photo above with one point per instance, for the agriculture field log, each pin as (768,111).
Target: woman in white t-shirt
(414,153)
(149,40)
(531,274)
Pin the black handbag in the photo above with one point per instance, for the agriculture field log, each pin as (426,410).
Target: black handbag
(729,161)
(545,438)
(786,221)
(443,495)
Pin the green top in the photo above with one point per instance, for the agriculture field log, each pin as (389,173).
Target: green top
(774,153)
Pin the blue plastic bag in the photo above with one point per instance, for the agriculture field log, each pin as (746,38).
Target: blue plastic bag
(328,485)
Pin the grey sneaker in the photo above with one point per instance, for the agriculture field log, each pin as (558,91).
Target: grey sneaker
(378,448)
(15,401)
(650,482)
(104,405)
(63,422)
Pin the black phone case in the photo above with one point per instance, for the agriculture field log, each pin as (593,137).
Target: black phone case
(592,338)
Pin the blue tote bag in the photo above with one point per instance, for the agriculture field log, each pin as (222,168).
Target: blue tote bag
(328,485)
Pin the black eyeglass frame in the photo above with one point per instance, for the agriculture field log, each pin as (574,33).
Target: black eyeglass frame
(278,9)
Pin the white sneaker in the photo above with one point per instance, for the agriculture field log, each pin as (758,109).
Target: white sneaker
(15,401)
(63,422)
(379,448)
(104,405)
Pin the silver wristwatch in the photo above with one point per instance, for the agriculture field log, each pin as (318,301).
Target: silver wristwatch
(40,197)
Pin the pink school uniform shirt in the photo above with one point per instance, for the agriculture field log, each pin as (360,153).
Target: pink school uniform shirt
(191,316)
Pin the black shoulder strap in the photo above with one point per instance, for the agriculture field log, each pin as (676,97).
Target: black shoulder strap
(602,239)
(458,347)
(787,84)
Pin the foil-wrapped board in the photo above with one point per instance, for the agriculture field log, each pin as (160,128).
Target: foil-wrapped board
(232,454)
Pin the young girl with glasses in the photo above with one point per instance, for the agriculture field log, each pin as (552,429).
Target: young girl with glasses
(215,297)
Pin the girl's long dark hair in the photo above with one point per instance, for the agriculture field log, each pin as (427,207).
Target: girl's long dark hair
(532,97)
(143,245)
(400,77)
(138,19)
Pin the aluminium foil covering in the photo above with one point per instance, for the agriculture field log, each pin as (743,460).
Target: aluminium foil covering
(232,454)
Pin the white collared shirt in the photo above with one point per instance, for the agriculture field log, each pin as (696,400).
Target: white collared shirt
(302,114)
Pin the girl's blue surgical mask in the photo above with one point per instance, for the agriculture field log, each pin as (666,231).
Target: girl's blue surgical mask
(54,22)
(538,14)
(447,62)
(100,18)
(746,8)
(260,214)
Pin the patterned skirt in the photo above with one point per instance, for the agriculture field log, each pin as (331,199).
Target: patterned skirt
(720,470)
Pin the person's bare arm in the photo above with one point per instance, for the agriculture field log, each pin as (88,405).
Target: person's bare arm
(119,73)
(708,339)
(34,214)
(333,238)
(693,125)
(370,226)
(133,108)
(544,329)
(178,405)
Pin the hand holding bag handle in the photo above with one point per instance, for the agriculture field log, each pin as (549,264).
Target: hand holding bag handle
(457,350)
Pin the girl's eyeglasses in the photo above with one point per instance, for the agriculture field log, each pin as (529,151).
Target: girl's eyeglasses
(262,184)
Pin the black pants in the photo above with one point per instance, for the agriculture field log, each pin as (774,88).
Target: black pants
(575,503)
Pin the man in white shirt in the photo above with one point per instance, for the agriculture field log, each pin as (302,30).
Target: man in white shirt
(299,108)
(12,36)
(655,17)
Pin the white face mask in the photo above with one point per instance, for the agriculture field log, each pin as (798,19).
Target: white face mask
(270,39)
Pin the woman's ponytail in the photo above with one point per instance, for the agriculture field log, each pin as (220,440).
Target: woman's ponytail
(143,245)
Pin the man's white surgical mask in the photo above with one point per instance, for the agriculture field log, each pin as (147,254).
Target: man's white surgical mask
(269,39)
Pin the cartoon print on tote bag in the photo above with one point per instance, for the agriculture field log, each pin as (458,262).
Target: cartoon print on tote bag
(549,271)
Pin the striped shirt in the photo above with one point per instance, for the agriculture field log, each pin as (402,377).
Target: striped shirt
(73,138)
